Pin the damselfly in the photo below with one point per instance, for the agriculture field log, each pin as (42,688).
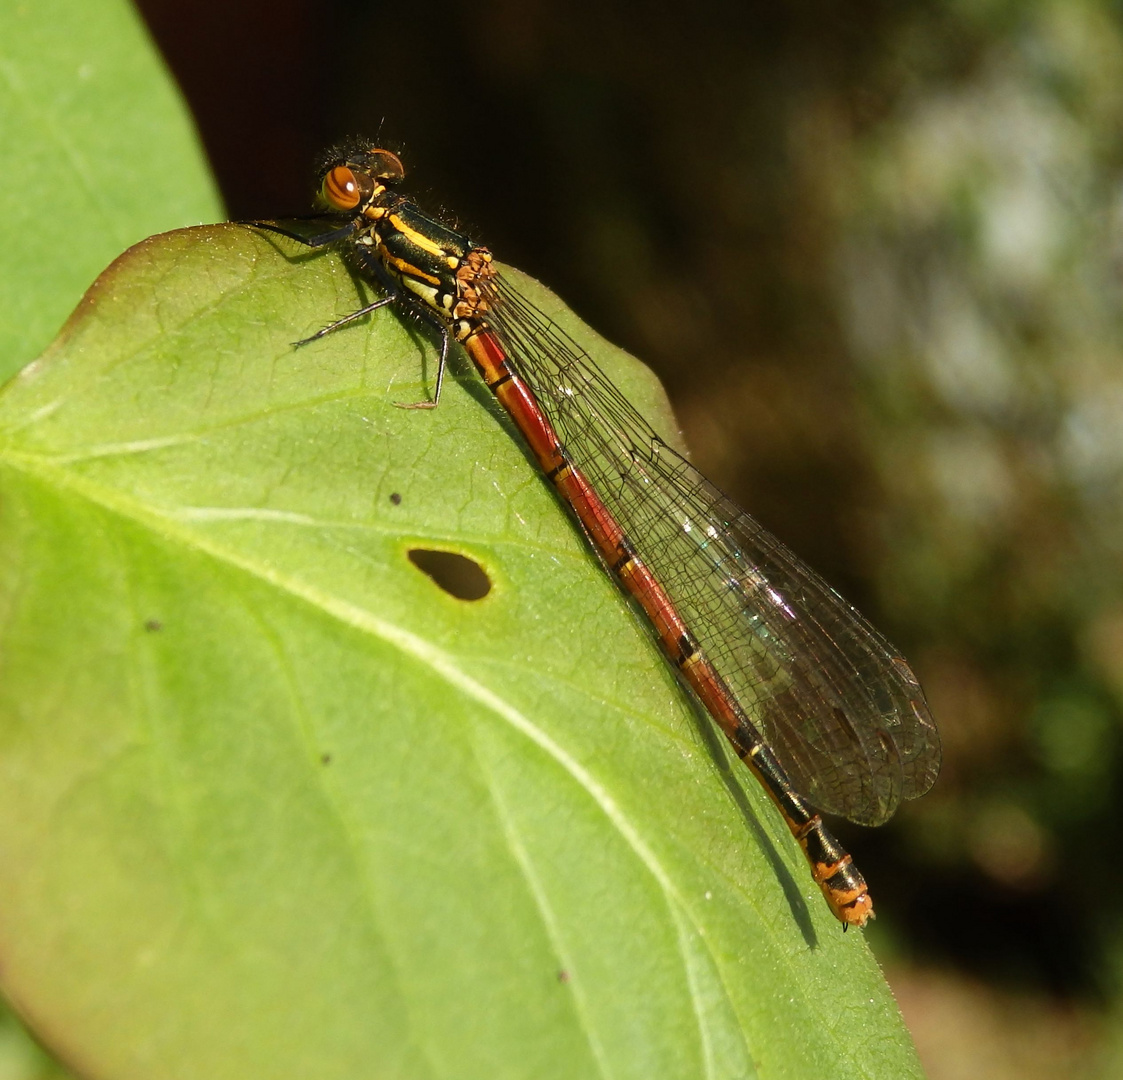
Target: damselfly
(814,700)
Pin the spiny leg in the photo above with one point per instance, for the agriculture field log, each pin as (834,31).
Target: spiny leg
(441,362)
(332,236)
(392,294)
(347,319)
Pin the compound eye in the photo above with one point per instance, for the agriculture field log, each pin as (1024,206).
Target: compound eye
(343,189)
(386,165)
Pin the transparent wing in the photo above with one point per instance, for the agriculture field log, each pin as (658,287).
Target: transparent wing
(840,708)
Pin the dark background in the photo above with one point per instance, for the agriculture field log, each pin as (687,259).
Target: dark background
(873,250)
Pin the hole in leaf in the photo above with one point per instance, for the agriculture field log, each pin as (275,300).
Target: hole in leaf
(457,575)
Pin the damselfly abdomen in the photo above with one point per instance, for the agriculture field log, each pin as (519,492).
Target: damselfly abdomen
(817,703)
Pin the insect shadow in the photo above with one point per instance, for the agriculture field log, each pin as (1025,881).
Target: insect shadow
(716,746)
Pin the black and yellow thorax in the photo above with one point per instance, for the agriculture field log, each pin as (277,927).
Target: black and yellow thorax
(438,267)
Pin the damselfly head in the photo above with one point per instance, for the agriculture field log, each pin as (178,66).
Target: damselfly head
(351,182)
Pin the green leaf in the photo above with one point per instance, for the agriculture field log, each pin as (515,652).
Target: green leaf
(275,804)
(97,151)
(20,1058)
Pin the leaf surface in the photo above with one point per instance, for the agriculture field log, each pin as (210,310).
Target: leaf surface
(97,150)
(275,804)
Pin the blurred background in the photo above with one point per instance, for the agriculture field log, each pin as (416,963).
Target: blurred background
(874,249)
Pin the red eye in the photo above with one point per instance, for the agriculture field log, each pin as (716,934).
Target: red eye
(386,165)
(342,189)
